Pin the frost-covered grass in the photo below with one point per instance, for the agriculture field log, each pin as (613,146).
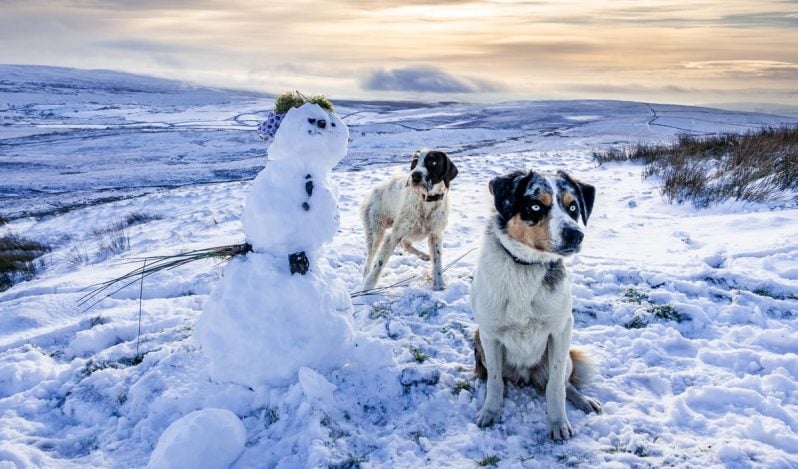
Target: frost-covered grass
(755,166)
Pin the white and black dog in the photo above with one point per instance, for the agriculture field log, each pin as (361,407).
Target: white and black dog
(414,206)
(521,296)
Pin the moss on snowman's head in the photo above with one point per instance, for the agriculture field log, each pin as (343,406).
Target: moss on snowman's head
(284,103)
(292,99)
(311,134)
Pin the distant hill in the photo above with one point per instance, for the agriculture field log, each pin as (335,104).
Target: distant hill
(61,84)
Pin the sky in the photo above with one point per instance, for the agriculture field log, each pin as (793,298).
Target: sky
(687,52)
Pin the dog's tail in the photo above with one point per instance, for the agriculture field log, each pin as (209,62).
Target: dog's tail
(584,369)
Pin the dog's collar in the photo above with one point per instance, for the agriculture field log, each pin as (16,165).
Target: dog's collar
(518,260)
(433,198)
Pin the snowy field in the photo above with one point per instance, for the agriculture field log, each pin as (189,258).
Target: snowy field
(692,314)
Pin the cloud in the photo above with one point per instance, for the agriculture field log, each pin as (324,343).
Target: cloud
(625,89)
(424,79)
(781,18)
(771,69)
(141,45)
(534,49)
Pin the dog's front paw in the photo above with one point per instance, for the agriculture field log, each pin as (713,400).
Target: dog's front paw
(560,430)
(593,405)
(423,257)
(488,416)
(438,286)
(587,404)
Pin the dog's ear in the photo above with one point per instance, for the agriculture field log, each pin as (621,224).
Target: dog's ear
(584,192)
(450,170)
(414,163)
(503,189)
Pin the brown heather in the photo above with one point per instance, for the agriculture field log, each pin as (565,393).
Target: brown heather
(756,166)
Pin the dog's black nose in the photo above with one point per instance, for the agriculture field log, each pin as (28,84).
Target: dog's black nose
(416,176)
(321,123)
(572,237)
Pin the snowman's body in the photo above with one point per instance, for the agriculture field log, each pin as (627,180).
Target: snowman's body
(281,307)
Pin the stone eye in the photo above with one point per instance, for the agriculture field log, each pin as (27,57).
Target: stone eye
(311,120)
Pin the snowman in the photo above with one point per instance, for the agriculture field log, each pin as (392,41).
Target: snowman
(281,307)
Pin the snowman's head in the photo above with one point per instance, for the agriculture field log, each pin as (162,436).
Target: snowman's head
(311,134)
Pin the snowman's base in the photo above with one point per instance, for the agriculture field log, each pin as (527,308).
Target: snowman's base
(262,324)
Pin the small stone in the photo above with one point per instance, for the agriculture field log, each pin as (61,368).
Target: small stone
(412,376)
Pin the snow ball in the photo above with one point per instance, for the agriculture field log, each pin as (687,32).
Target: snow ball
(207,438)
(274,219)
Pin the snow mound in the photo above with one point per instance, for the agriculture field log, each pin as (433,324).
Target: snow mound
(24,369)
(207,438)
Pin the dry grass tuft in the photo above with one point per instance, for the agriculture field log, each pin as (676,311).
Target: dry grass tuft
(19,259)
(112,239)
(757,166)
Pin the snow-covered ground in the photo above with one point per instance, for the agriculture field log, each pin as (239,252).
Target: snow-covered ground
(717,387)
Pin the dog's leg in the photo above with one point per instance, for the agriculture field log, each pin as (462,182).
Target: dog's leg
(373,229)
(437,269)
(382,258)
(374,236)
(557,348)
(494,361)
(412,250)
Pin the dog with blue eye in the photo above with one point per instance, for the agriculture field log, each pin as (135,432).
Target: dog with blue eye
(414,206)
(521,295)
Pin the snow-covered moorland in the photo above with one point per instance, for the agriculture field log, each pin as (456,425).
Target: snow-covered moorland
(690,313)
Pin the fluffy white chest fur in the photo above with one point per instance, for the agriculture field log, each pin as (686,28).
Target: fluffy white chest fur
(512,309)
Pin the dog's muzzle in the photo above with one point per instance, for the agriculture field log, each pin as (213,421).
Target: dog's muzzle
(571,241)
(418,180)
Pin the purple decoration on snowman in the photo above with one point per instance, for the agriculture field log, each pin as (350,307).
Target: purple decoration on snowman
(268,128)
